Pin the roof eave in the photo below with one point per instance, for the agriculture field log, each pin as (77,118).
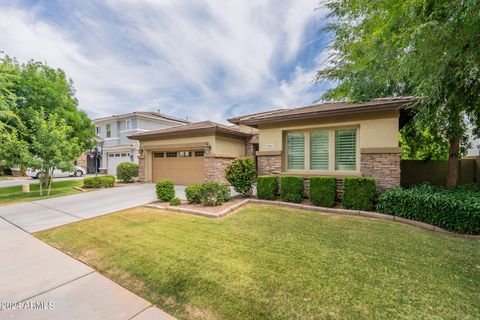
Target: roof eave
(213,130)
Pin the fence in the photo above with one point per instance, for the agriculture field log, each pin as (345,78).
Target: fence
(414,172)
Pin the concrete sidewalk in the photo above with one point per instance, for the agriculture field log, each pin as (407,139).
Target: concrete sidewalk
(38,281)
(45,214)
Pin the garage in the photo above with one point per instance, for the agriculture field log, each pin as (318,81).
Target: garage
(114,159)
(182,167)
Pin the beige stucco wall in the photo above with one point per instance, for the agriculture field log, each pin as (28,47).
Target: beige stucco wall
(229,147)
(379,132)
(247,129)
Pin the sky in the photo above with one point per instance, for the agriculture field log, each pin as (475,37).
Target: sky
(201,59)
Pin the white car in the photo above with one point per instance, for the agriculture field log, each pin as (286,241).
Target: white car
(77,172)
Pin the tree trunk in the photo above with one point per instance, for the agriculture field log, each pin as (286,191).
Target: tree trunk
(49,183)
(453,155)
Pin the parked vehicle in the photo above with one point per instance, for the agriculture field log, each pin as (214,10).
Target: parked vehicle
(37,174)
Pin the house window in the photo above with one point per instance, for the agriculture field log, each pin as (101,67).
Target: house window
(322,150)
(111,155)
(158,154)
(296,150)
(129,124)
(171,154)
(123,154)
(184,154)
(199,153)
(109,130)
(346,149)
(319,150)
(98,129)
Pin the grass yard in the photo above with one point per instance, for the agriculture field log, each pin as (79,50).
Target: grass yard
(3,178)
(267,262)
(14,194)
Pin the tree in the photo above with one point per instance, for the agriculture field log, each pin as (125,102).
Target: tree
(40,86)
(9,73)
(50,146)
(428,48)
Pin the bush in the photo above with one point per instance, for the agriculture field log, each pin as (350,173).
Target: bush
(291,188)
(214,194)
(175,202)
(193,193)
(241,175)
(359,193)
(99,182)
(267,187)
(165,190)
(323,191)
(126,171)
(456,210)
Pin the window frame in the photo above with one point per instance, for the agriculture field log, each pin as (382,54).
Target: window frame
(331,152)
(128,121)
(108,130)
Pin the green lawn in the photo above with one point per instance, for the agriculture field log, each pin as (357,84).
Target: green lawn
(266,262)
(3,178)
(14,194)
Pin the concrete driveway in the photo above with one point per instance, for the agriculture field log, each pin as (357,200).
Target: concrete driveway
(40,282)
(45,214)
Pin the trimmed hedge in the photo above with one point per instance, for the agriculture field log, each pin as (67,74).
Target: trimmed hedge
(175,202)
(165,190)
(291,188)
(241,175)
(267,187)
(456,210)
(192,192)
(359,193)
(323,191)
(99,182)
(214,193)
(126,171)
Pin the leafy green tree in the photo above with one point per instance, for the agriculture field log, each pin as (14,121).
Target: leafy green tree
(9,73)
(427,48)
(40,86)
(50,147)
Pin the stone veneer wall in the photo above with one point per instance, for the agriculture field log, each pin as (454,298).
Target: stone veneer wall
(141,169)
(82,160)
(215,168)
(383,167)
(269,165)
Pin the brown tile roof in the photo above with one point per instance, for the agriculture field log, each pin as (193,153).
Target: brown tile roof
(145,114)
(323,109)
(186,129)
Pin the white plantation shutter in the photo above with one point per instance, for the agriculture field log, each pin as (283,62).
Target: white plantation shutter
(296,150)
(319,150)
(346,149)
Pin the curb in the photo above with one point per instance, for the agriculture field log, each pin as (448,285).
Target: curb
(359,213)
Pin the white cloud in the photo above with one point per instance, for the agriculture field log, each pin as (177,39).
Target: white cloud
(200,59)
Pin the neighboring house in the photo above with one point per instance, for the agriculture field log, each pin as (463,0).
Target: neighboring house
(474,149)
(112,138)
(329,139)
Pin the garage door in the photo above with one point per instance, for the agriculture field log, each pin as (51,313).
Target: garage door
(182,167)
(114,159)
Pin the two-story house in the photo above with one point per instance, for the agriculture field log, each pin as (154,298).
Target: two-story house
(112,141)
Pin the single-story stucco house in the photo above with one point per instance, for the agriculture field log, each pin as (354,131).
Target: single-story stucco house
(329,139)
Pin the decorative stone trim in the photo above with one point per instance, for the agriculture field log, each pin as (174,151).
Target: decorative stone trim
(269,164)
(141,169)
(82,160)
(383,167)
(215,168)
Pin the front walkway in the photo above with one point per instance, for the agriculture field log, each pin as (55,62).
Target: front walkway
(40,282)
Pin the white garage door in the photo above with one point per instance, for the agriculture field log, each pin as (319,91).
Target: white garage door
(114,159)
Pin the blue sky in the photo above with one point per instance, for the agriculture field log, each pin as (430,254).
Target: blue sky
(198,59)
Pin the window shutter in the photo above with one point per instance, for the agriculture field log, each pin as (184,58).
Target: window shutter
(319,150)
(346,149)
(296,151)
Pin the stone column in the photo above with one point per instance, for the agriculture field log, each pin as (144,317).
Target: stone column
(141,168)
(382,164)
(269,163)
(215,167)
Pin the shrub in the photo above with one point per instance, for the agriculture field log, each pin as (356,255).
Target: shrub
(214,194)
(267,187)
(291,188)
(359,193)
(175,202)
(323,191)
(456,210)
(193,193)
(165,190)
(99,182)
(241,175)
(126,171)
